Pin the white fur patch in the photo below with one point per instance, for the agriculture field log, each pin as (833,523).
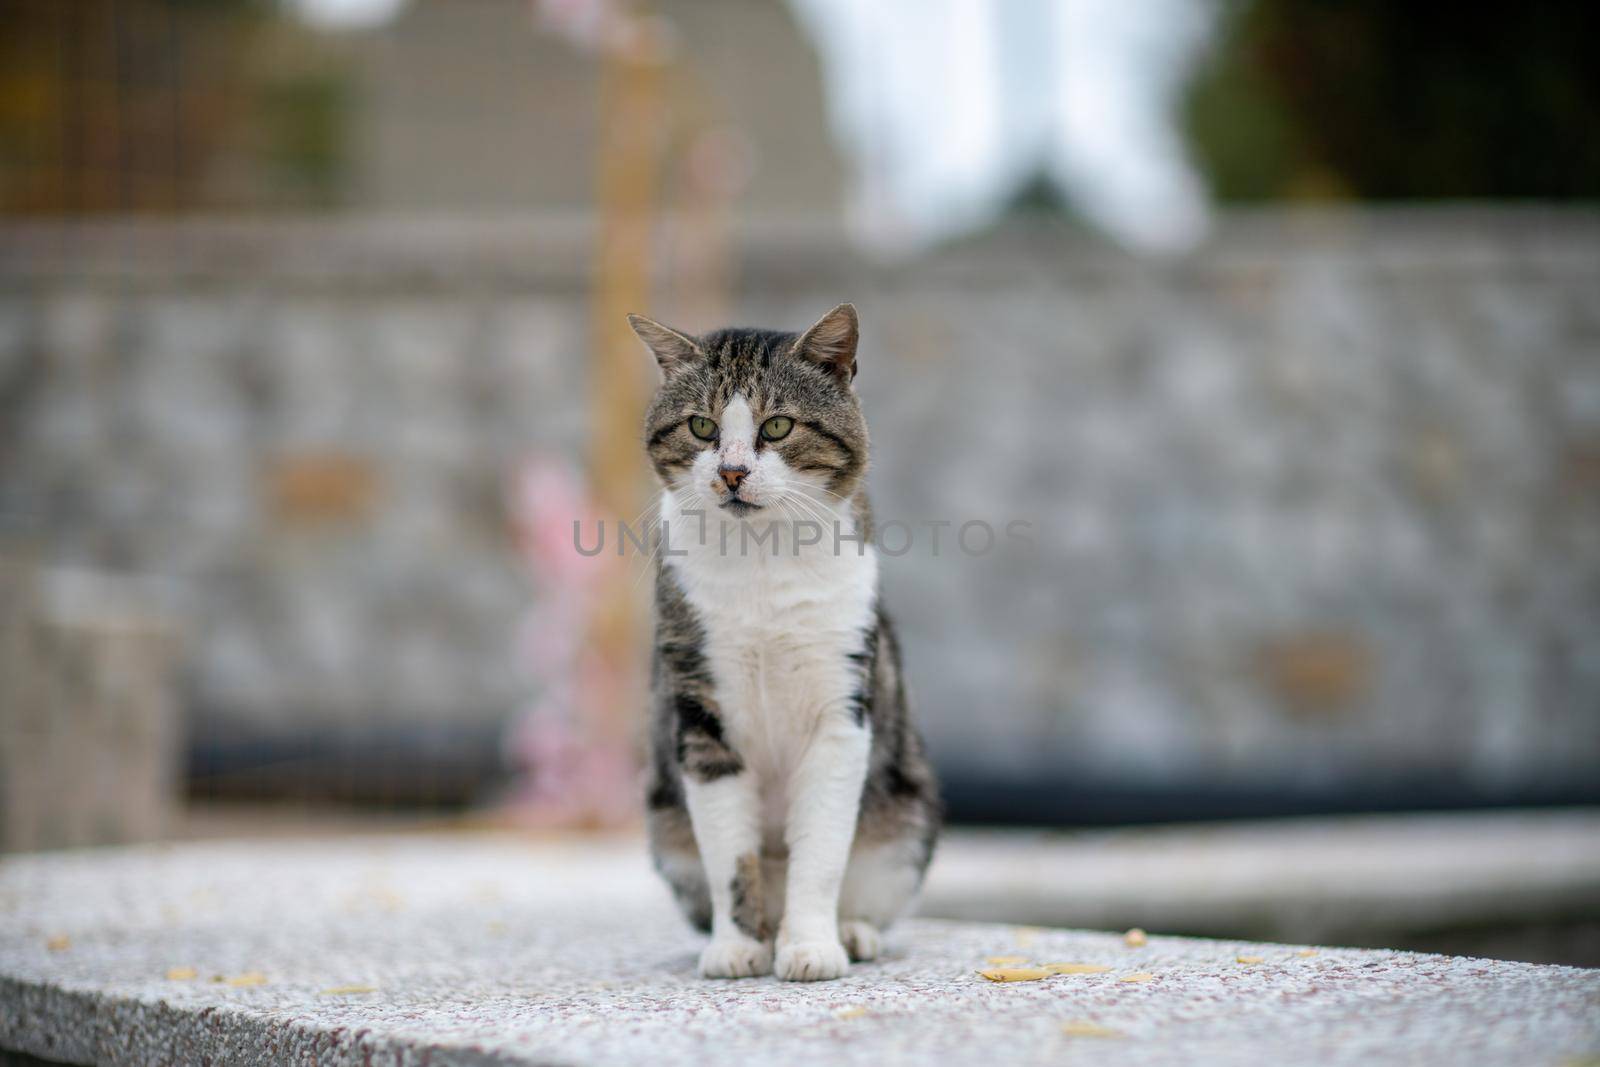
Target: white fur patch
(737,438)
(781,623)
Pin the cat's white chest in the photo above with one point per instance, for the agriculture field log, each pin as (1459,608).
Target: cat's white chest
(780,631)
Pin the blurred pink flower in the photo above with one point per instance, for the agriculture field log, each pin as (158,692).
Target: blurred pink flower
(571,770)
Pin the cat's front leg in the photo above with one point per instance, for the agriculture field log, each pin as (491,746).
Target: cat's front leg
(824,798)
(726,813)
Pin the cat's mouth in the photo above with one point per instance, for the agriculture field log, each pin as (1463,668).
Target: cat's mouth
(739,507)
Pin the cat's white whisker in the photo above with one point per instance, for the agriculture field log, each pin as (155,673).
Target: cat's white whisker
(822,489)
(825,516)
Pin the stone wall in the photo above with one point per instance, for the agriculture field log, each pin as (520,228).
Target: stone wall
(1319,503)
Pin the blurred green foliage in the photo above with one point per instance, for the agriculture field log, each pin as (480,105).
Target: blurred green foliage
(306,139)
(1376,100)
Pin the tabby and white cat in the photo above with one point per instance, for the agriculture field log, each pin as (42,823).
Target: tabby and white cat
(791,807)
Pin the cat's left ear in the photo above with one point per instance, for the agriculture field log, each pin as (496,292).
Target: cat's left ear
(832,342)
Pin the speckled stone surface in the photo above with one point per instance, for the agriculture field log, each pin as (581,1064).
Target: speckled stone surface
(477,950)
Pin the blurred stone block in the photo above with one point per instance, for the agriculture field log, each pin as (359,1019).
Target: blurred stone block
(1316,673)
(327,487)
(1393,880)
(88,712)
(1580,466)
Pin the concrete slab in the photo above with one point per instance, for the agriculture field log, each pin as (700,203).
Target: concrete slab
(477,950)
(1371,879)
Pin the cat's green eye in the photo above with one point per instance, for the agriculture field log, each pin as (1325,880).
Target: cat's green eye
(777,427)
(702,427)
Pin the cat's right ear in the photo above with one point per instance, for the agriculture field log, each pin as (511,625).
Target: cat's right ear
(673,350)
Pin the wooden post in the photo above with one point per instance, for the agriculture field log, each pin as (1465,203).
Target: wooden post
(632,135)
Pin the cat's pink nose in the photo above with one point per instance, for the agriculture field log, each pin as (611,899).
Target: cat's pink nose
(732,476)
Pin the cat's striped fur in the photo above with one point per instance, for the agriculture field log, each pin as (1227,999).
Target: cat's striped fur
(791,807)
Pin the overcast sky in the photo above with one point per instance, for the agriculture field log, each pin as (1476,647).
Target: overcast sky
(948,107)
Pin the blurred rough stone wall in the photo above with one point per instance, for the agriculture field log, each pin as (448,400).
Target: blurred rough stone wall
(1321,501)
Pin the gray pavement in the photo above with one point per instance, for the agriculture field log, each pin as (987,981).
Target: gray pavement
(490,949)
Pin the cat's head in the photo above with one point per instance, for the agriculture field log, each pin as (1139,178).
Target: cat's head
(747,419)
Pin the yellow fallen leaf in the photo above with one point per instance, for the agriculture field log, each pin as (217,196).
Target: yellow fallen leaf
(1074,968)
(1142,976)
(1306,952)
(248,978)
(1006,961)
(182,974)
(59,943)
(1017,974)
(387,898)
(348,990)
(855,1012)
(1085,1028)
(1248,959)
(1136,938)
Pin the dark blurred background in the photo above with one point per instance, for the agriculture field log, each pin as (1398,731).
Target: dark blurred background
(1277,319)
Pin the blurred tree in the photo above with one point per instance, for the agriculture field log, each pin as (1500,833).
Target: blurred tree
(305,123)
(1378,100)
(111,106)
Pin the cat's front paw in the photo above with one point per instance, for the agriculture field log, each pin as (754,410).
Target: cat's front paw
(736,957)
(860,939)
(811,961)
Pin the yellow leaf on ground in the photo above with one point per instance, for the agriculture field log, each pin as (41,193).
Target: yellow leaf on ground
(1306,952)
(1074,968)
(855,1012)
(182,974)
(387,899)
(348,990)
(1085,1028)
(248,978)
(1017,974)
(1006,961)
(1136,938)
(1248,959)
(59,943)
(1142,976)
